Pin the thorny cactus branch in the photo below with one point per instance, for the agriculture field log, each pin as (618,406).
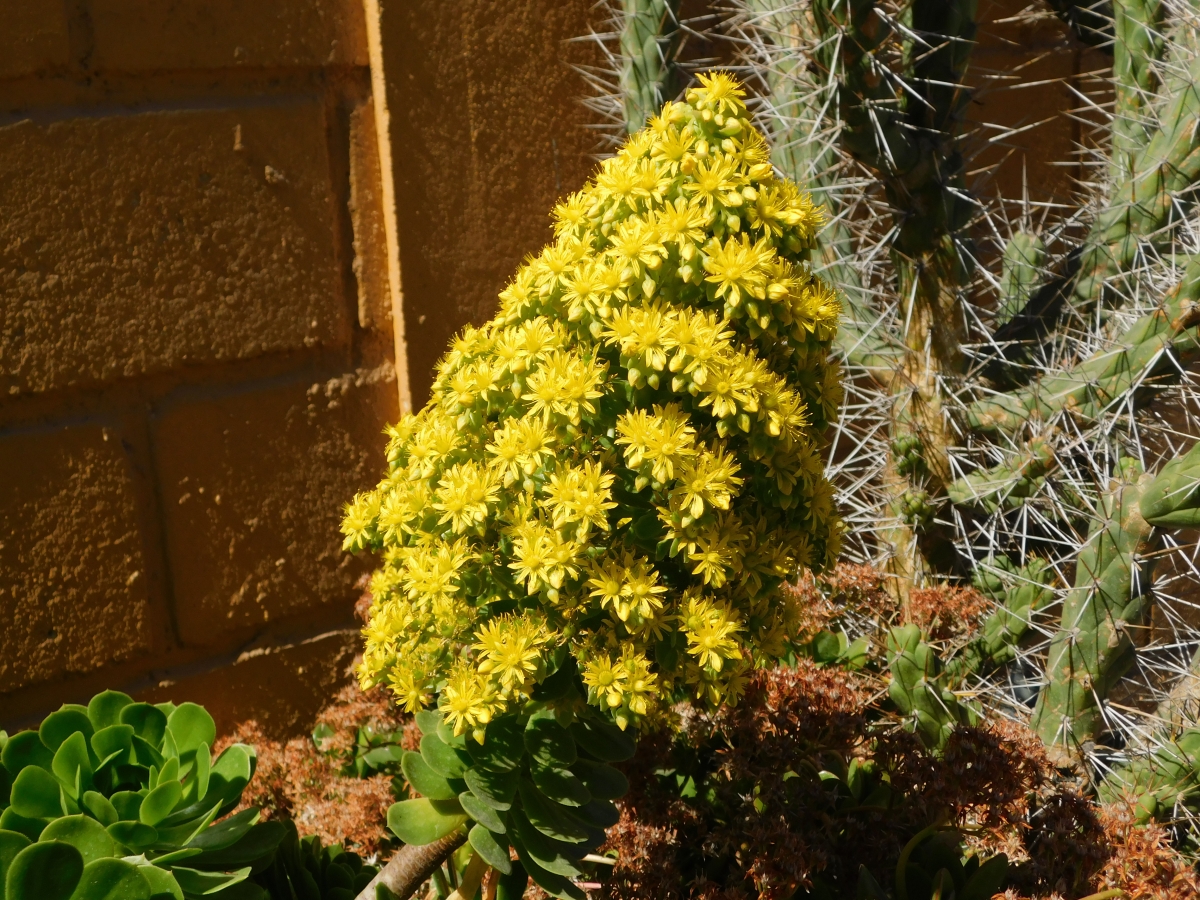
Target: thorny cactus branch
(650,38)
(1137,46)
(1094,645)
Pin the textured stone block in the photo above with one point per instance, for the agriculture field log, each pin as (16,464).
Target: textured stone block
(73,579)
(136,35)
(253,486)
(281,687)
(33,36)
(142,243)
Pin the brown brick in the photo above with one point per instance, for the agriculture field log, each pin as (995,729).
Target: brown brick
(253,486)
(33,37)
(139,35)
(141,243)
(282,687)
(73,579)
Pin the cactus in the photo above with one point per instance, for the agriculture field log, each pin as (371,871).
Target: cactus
(121,797)
(650,38)
(996,418)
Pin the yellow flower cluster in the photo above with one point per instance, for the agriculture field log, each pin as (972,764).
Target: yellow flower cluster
(616,473)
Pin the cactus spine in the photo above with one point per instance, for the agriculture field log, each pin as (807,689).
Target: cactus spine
(1010,413)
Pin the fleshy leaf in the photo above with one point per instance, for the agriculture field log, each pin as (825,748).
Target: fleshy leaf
(48,871)
(83,833)
(422,821)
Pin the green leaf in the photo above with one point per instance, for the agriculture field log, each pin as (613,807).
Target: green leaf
(492,847)
(11,820)
(84,834)
(423,821)
(24,749)
(482,813)
(449,738)
(128,803)
(146,755)
(35,794)
(149,723)
(197,785)
(113,742)
(58,726)
(496,789)
(112,879)
(560,785)
(534,847)
(194,881)
(46,871)
(424,780)
(503,745)
(513,886)
(160,802)
(550,818)
(73,765)
(191,726)
(442,758)
(255,847)
(603,740)
(428,721)
(988,879)
(549,744)
(162,883)
(226,833)
(11,843)
(231,773)
(598,814)
(104,710)
(137,836)
(603,782)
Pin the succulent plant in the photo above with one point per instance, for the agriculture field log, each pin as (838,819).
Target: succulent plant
(302,869)
(119,799)
(543,788)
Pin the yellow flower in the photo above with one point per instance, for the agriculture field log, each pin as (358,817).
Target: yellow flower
(463,495)
(467,701)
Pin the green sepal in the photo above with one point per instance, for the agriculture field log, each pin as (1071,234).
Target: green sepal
(83,833)
(423,821)
(550,818)
(603,740)
(485,815)
(442,758)
(496,789)
(44,871)
(424,779)
(603,782)
(490,846)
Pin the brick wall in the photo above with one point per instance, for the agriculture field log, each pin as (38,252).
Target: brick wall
(200,255)
(197,340)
